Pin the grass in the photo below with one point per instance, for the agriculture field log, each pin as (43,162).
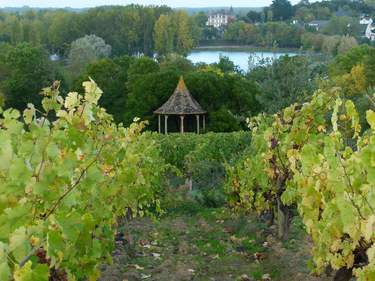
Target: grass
(196,243)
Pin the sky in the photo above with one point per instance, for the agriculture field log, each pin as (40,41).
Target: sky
(172,3)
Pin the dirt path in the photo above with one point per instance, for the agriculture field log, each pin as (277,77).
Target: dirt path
(211,245)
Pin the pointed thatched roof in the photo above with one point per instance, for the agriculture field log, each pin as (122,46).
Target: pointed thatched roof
(180,103)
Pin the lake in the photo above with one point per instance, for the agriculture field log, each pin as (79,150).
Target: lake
(239,57)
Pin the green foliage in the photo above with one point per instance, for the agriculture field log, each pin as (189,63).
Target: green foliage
(147,93)
(111,75)
(281,10)
(226,65)
(142,66)
(24,71)
(313,156)
(128,29)
(253,17)
(202,158)
(174,33)
(285,81)
(66,181)
(228,98)
(343,64)
(138,86)
(86,50)
(269,34)
(163,35)
(223,120)
(182,150)
(343,26)
(331,45)
(176,63)
(135,29)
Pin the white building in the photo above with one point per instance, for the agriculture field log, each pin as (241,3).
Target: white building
(318,24)
(368,27)
(365,20)
(370,32)
(219,20)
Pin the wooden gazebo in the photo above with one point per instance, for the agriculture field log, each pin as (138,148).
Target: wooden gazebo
(181,104)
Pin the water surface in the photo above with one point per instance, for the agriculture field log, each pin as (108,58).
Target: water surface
(240,58)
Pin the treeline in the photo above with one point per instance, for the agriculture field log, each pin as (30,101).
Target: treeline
(270,34)
(136,86)
(284,25)
(283,10)
(150,30)
(127,29)
(285,35)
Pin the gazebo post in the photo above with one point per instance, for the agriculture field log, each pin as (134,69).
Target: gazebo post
(166,124)
(182,123)
(159,124)
(197,116)
(204,123)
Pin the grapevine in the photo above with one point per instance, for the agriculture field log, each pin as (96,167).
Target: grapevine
(314,156)
(67,173)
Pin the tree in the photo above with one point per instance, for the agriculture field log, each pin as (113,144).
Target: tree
(177,63)
(279,33)
(174,33)
(13,29)
(223,120)
(163,35)
(184,38)
(362,55)
(63,28)
(228,97)
(312,41)
(111,76)
(330,44)
(26,70)
(346,43)
(86,50)
(304,14)
(322,13)
(232,32)
(142,66)
(342,26)
(226,65)
(284,82)
(147,93)
(253,17)
(200,19)
(281,10)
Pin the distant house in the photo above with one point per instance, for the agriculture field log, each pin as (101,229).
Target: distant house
(365,20)
(54,57)
(219,20)
(370,32)
(367,27)
(318,24)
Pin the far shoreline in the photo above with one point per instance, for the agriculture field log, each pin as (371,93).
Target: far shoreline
(245,48)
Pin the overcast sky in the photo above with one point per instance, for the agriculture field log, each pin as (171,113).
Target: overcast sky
(172,3)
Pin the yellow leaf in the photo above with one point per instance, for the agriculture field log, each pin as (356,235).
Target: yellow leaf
(371,253)
(370,116)
(370,228)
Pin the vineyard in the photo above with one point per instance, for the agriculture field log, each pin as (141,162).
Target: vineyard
(73,182)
